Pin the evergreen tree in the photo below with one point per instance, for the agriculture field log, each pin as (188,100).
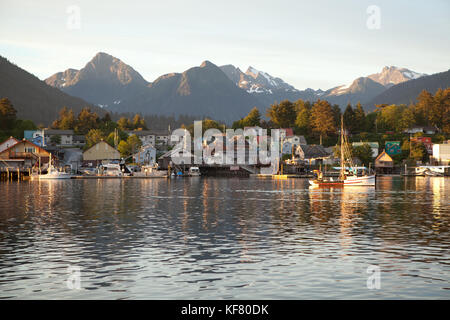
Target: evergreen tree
(283,115)
(349,118)
(139,122)
(322,120)
(440,108)
(123,123)
(303,118)
(360,118)
(253,118)
(423,107)
(337,115)
(67,121)
(86,121)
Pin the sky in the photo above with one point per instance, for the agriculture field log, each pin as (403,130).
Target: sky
(309,44)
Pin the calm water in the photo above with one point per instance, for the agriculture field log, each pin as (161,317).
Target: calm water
(211,238)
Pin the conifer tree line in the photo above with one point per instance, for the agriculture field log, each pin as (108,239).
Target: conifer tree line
(319,121)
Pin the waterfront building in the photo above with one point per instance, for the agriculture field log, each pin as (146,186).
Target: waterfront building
(441,153)
(426,141)
(8,143)
(146,155)
(384,163)
(99,153)
(290,142)
(23,155)
(313,154)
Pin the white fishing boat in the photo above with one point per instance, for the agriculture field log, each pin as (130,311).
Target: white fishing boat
(433,171)
(115,170)
(53,173)
(348,175)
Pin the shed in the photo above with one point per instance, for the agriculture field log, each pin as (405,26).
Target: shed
(384,163)
(99,152)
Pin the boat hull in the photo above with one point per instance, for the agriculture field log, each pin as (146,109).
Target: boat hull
(54,177)
(360,181)
(349,181)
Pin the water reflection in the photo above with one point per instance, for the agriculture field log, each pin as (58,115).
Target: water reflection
(224,238)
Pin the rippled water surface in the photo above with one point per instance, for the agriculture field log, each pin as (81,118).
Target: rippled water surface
(211,238)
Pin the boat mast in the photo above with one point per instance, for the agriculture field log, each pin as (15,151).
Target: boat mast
(342,173)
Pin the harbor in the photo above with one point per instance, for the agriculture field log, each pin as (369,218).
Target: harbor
(224,158)
(212,236)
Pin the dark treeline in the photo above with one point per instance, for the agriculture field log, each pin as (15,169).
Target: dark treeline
(318,121)
(321,120)
(9,124)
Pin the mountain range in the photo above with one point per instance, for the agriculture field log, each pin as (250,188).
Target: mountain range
(224,93)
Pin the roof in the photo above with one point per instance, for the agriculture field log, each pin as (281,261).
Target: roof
(142,133)
(289,131)
(301,139)
(383,157)
(79,138)
(24,141)
(55,131)
(97,144)
(5,141)
(314,151)
(170,153)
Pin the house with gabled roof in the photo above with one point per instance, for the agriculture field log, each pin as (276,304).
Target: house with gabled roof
(99,153)
(384,163)
(8,143)
(23,154)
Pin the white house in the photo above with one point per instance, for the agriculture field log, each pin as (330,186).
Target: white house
(147,155)
(423,129)
(441,153)
(292,141)
(162,138)
(146,136)
(66,136)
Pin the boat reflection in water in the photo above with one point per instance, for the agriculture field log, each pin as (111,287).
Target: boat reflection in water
(215,238)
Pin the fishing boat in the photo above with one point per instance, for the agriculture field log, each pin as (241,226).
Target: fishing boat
(53,173)
(348,174)
(115,170)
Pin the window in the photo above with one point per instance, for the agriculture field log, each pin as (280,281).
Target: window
(30,149)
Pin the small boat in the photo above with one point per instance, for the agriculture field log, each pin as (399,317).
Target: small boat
(53,173)
(115,170)
(431,173)
(347,177)
(194,171)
